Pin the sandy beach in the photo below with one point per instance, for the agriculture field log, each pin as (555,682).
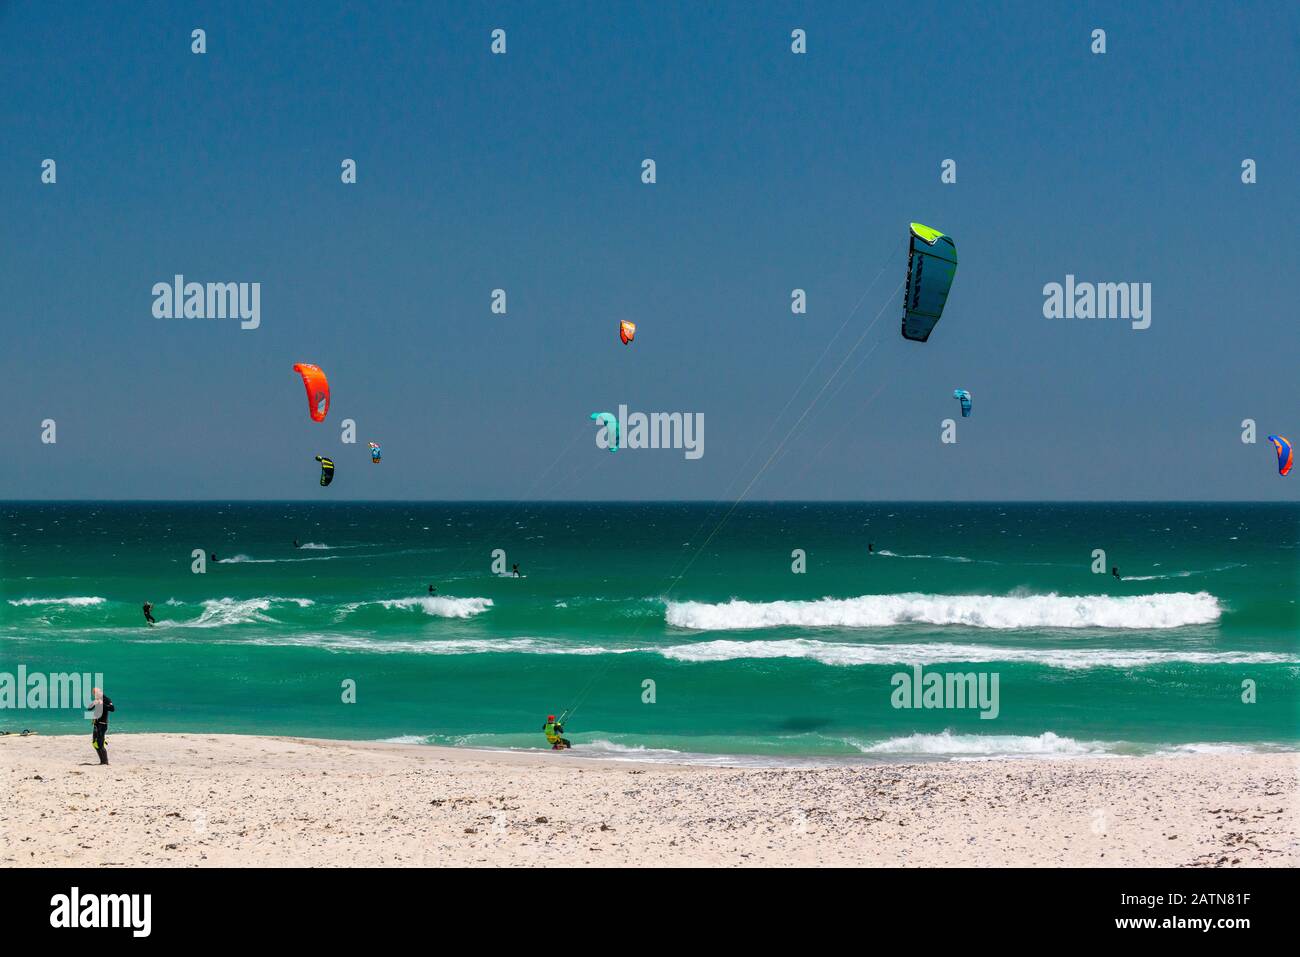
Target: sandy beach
(226,800)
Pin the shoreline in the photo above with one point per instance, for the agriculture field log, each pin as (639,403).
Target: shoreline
(251,800)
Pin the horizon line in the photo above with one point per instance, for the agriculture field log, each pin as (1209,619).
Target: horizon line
(631,501)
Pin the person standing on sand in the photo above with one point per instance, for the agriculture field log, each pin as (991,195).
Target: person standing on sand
(101,706)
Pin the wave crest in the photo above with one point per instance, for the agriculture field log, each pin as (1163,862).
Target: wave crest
(437,606)
(220,612)
(1172,610)
(1045,745)
(73,602)
(847,655)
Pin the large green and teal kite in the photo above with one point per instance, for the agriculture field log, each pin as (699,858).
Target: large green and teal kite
(931,264)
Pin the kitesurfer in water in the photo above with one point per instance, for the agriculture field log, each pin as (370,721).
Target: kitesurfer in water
(147,607)
(1114,570)
(295,544)
(432,590)
(553,729)
(516,569)
(101,705)
(871,547)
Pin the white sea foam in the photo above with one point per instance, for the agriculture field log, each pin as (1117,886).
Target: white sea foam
(978,611)
(832,653)
(1181,574)
(1045,745)
(74,602)
(971,747)
(220,612)
(827,653)
(436,605)
(886,553)
(248,560)
(453,646)
(1210,747)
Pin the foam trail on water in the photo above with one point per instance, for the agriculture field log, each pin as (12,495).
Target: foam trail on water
(73,602)
(248,560)
(886,553)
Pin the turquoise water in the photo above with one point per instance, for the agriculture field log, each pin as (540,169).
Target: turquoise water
(745,657)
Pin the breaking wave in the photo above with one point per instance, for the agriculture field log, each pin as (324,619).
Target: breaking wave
(1045,745)
(977,611)
(831,653)
(220,612)
(436,605)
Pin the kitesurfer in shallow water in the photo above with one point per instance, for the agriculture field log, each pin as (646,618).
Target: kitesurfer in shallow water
(1114,570)
(295,544)
(553,729)
(871,547)
(432,590)
(147,607)
(516,569)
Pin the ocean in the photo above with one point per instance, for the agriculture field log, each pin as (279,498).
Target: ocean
(776,633)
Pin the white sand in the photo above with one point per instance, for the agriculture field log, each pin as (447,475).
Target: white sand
(212,800)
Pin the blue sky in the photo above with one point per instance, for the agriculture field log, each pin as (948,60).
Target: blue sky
(775,171)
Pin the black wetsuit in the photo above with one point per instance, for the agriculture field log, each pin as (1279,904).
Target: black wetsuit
(148,612)
(100,728)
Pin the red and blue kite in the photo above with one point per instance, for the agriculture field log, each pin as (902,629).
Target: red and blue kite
(1285,454)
